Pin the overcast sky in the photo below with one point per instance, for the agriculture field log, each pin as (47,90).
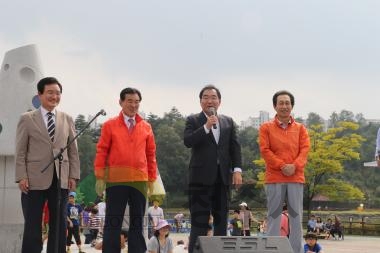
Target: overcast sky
(326,52)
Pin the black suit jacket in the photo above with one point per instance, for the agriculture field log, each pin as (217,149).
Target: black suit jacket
(206,154)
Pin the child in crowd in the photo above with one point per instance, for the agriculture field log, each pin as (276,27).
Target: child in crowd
(94,225)
(311,224)
(74,219)
(311,245)
(236,224)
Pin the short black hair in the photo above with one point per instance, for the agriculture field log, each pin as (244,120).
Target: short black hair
(311,236)
(124,232)
(237,211)
(210,87)
(157,233)
(129,90)
(47,81)
(283,92)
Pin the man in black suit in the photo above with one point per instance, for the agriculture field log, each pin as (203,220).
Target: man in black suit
(215,160)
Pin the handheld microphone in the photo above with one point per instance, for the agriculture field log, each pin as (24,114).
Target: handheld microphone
(213,112)
(102,112)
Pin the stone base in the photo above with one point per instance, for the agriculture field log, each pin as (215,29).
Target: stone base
(11,237)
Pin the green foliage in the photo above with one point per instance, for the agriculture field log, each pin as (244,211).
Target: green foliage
(172,155)
(325,161)
(339,191)
(87,188)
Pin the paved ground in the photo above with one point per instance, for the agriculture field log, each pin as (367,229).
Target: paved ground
(350,244)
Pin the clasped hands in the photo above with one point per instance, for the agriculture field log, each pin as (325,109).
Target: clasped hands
(288,169)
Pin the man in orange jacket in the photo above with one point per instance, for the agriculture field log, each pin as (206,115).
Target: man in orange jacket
(125,163)
(284,145)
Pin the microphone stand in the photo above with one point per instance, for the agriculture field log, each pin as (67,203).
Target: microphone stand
(59,156)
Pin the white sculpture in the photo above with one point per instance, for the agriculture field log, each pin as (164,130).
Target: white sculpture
(20,72)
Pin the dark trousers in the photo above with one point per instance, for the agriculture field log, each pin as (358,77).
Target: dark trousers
(32,207)
(73,231)
(117,199)
(93,234)
(206,200)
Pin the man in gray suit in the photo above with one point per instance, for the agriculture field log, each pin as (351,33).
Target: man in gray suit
(215,164)
(40,136)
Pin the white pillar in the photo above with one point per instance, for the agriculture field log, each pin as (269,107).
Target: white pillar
(19,74)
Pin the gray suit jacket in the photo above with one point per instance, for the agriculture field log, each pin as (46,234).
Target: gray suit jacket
(34,150)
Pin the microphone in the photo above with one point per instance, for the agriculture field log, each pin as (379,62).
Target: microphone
(102,112)
(213,112)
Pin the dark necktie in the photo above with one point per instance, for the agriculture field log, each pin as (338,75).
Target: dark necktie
(131,124)
(51,125)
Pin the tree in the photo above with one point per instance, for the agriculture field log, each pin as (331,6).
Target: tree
(345,115)
(333,121)
(314,119)
(329,150)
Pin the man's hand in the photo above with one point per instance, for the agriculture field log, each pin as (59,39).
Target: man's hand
(72,184)
(288,169)
(377,158)
(150,188)
(211,120)
(100,186)
(237,179)
(23,184)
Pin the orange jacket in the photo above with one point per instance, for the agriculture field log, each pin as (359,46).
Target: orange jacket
(128,157)
(280,146)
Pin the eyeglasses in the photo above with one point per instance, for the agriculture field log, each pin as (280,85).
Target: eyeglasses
(51,93)
(213,98)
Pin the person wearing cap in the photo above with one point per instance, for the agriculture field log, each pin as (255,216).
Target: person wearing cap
(126,167)
(284,146)
(311,245)
(246,217)
(40,135)
(215,164)
(74,220)
(161,242)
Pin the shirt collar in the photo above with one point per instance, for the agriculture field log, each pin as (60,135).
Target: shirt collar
(126,117)
(44,111)
(284,125)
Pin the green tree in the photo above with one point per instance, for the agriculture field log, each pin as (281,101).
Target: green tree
(314,119)
(329,150)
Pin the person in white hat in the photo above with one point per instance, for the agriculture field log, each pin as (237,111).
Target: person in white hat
(247,217)
(161,242)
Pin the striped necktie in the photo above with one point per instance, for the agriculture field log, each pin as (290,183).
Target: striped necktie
(131,124)
(51,125)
